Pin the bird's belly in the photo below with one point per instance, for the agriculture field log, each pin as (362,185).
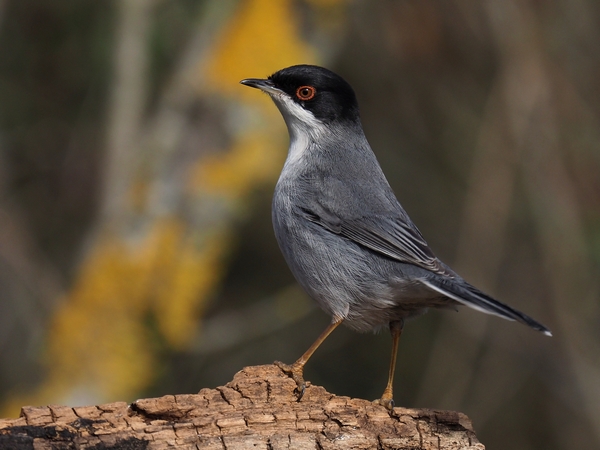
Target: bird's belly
(349,281)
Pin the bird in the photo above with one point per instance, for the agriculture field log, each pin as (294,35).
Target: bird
(343,233)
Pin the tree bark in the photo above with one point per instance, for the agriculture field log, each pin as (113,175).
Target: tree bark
(256,410)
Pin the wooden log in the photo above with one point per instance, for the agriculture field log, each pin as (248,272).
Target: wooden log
(256,410)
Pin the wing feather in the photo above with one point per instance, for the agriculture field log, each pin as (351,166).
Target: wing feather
(394,238)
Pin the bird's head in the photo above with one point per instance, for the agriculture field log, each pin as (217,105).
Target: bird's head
(310,96)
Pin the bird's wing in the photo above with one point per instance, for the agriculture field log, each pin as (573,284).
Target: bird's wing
(397,238)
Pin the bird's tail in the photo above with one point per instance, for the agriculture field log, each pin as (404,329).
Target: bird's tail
(470,296)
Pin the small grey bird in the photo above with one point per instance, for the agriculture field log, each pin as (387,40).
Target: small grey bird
(343,233)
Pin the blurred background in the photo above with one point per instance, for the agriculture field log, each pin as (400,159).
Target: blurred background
(136,251)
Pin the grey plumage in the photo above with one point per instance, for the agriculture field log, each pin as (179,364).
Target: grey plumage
(343,233)
(331,220)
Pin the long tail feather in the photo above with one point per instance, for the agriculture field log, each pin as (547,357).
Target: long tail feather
(472,297)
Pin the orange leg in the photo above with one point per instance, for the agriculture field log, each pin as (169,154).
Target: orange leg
(387,399)
(296,369)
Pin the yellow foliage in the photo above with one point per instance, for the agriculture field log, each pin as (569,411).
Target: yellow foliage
(190,268)
(101,340)
(97,336)
(253,159)
(261,38)
(100,335)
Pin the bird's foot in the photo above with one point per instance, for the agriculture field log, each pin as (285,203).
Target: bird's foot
(387,398)
(295,372)
(387,403)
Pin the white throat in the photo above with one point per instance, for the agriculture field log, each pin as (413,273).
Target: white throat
(304,128)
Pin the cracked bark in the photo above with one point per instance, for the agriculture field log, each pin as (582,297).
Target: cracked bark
(256,410)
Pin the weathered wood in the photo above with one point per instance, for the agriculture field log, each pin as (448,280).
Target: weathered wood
(256,410)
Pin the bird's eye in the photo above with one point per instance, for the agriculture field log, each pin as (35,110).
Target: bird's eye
(305,92)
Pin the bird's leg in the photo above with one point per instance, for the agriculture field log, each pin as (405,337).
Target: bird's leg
(295,370)
(387,399)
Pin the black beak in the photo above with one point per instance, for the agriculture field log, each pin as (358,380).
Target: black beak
(264,85)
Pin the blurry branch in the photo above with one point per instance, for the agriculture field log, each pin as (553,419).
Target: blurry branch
(166,127)
(517,100)
(520,130)
(132,145)
(487,204)
(522,86)
(31,275)
(139,149)
(484,221)
(557,213)
(29,288)
(229,329)
(574,288)
(126,106)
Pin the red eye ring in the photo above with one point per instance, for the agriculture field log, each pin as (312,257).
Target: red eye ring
(306,92)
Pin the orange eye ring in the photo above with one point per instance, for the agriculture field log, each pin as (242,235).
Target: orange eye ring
(306,92)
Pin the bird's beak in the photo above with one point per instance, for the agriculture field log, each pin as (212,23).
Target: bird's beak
(264,85)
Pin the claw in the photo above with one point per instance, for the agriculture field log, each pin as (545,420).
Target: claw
(387,403)
(295,372)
